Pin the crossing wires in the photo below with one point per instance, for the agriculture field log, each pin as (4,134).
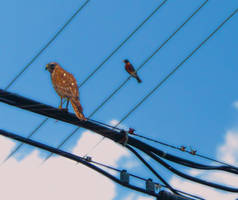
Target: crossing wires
(91,74)
(47,44)
(124,82)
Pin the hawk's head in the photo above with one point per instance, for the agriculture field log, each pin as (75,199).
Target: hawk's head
(126,61)
(50,66)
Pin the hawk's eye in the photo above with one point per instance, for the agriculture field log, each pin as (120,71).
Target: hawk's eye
(52,65)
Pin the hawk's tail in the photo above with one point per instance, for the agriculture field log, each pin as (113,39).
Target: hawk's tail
(77,108)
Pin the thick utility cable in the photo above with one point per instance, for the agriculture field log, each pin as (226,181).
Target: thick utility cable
(143,179)
(157,175)
(179,148)
(151,169)
(123,83)
(115,135)
(47,45)
(32,61)
(176,68)
(183,175)
(92,73)
(73,157)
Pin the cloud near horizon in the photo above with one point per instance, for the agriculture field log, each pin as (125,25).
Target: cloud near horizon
(60,178)
(227,152)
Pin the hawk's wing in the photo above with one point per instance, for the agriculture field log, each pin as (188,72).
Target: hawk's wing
(64,83)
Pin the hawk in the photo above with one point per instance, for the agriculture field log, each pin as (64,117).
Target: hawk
(131,70)
(66,87)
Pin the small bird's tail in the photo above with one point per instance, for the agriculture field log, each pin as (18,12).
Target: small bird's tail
(77,108)
(138,79)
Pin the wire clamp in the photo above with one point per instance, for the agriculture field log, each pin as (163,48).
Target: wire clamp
(124,140)
(150,185)
(182,148)
(164,154)
(131,131)
(193,152)
(88,158)
(124,177)
(158,187)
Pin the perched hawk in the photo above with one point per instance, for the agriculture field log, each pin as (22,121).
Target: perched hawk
(131,70)
(66,87)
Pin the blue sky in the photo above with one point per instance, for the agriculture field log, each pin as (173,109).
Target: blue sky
(194,107)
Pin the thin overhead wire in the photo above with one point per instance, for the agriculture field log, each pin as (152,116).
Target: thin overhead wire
(47,45)
(122,43)
(92,73)
(179,148)
(176,68)
(74,158)
(86,162)
(115,135)
(117,89)
(143,179)
(167,77)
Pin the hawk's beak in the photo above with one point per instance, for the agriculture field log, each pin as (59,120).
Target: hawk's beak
(46,67)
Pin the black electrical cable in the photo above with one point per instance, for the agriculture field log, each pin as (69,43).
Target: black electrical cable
(142,65)
(151,169)
(91,74)
(158,176)
(73,157)
(16,100)
(12,99)
(183,175)
(179,148)
(170,37)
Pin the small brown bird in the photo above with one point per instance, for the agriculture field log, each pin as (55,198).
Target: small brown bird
(66,87)
(131,70)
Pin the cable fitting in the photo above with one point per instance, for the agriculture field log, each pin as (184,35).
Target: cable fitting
(150,185)
(124,177)
(88,159)
(131,131)
(124,140)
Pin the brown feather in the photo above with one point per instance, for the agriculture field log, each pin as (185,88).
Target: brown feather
(66,87)
(77,108)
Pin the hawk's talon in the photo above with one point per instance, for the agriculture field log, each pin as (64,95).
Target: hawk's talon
(64,109)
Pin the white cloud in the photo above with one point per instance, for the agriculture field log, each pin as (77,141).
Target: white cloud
(235,104)
(115,122)
(228,152)
(60,178)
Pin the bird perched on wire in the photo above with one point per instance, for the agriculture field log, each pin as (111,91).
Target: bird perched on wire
(66,87)
(131,70)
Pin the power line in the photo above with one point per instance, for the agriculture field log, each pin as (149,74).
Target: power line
(91,74)
(179,148)
(143,179)
(75,158)
(167,77)
(115,135)
(117,89)
(47,45)
(176,68)
(16,100)
(85,162)
(121,44)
